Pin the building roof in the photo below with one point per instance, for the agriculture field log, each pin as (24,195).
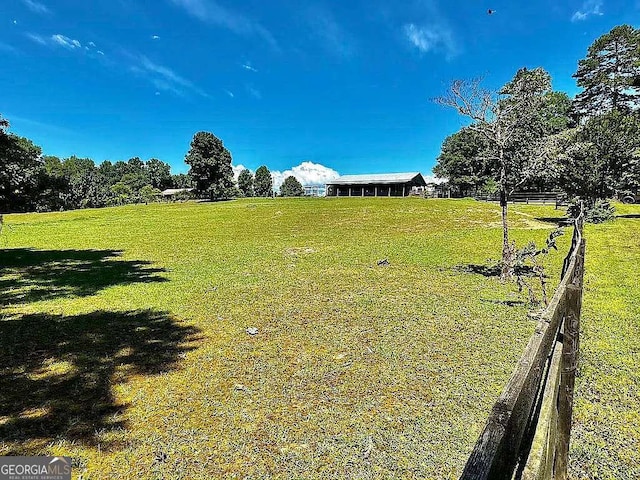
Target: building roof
(173,191)
(379,178)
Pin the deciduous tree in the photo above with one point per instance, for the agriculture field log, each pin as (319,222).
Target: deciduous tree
(158,173)
(512,124)
(210,164)
(462,161)
(20,164)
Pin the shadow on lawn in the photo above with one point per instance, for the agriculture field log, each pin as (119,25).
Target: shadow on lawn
(57,372)
(559,221)
(494,270)
(31,275)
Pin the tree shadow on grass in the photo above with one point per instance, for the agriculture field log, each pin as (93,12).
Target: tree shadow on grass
(29,275)
(630,215)
(506,303)
(559,221)
(494,270)
(57,373)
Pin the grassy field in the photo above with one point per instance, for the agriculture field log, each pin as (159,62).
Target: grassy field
(124,344)
(606,431)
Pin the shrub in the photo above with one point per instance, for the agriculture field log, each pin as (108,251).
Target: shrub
(601,211)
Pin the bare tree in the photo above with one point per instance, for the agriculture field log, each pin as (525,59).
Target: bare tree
(509,120)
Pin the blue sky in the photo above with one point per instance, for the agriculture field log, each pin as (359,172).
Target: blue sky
(345,85)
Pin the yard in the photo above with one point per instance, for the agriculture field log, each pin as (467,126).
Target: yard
(124,345)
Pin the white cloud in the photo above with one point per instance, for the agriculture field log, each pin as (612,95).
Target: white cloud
(237,169)
(15,22)
(155,37)
(209,11)
(91,44)
(433,179)
(589,8)
(65,42)
(307,173)
(164,78)
(100,52)
(247,66)
(36,7)
(431,38)
(36,38)
(230,93)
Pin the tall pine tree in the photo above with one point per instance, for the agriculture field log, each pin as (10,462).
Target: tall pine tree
(610,73)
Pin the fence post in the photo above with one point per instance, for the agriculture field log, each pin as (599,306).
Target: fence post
(570,349)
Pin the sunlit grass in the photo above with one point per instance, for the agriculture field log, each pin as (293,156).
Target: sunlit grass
(606,433)
(357,370)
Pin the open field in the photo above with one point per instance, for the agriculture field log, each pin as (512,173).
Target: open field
(124,345)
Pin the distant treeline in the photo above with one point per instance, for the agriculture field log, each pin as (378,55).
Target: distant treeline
(30,181)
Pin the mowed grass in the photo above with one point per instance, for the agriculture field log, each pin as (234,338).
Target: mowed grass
(123,336)
(606,430)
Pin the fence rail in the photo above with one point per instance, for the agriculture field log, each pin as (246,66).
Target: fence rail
(527,433)
(550,198)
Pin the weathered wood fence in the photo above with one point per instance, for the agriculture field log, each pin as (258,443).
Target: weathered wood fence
(527,433)
(544,198)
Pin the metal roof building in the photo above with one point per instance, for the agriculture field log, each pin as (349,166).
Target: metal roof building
(170,192)
(376,185)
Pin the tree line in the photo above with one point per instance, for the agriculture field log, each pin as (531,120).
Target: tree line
(527,136)
(31,181)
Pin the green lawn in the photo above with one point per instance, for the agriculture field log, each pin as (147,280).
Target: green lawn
(124,344)
(606,431)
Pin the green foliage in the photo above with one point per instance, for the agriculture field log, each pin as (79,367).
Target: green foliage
(122,193)
(263,182)
(610,72)
(514,124)
(183,196)
(464,163)
(210,164)
(20,164)
(181,181)
(291,187)
(599,158)
(31,182)
(245,183)
(52,187)
(158,174)
(600,211)
(149,194)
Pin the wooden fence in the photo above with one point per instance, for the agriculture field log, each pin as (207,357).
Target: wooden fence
(544,198)
(527,433)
